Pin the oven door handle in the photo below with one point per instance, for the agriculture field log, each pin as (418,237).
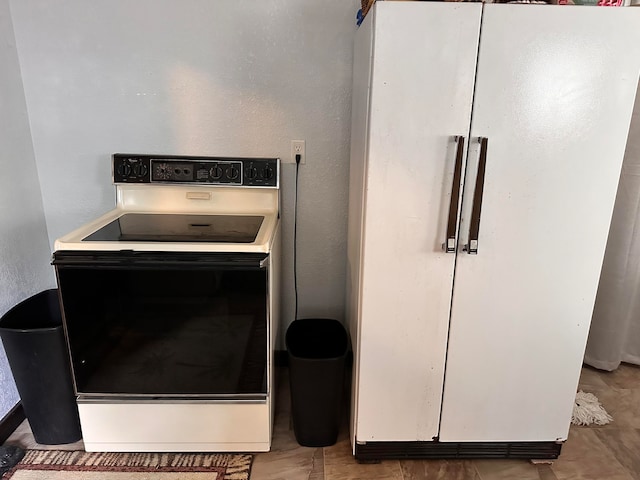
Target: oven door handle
(164,260)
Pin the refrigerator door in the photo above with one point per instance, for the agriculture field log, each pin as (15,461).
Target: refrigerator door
(554,94)
(402,178)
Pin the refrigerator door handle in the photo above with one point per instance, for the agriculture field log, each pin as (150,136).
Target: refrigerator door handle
(449,246)
(474,226)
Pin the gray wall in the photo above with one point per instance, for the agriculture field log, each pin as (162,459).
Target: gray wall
(24,249)
(224,77)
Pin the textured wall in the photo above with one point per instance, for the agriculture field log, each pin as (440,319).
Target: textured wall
(224,77)
(24,249)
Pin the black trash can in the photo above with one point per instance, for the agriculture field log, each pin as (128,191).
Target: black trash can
(317,349)
(34,342)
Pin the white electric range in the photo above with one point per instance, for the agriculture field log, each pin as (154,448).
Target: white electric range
(170,306)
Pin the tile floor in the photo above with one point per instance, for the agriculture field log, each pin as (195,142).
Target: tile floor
(610,452)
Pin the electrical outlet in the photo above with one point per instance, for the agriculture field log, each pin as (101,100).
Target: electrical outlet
(298,148)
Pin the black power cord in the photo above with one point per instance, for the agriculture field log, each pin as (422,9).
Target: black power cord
(295,239)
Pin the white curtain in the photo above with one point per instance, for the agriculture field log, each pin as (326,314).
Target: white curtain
(615,327)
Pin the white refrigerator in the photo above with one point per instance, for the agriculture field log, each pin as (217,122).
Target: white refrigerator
(487,142)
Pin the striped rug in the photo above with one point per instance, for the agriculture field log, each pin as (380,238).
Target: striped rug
(77,465)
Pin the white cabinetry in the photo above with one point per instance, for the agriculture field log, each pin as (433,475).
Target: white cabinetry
(480,351)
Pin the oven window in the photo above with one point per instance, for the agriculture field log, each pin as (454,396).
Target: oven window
(166,332)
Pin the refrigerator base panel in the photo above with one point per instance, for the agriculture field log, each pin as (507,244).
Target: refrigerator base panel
(373,451)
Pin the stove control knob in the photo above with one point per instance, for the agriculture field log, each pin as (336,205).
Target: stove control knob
(233,172)
(267,173)
(162,172)
(124,169)
(139,170)
(252,172)
(216,172)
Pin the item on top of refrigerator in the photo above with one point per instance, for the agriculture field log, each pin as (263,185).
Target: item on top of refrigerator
(590,3)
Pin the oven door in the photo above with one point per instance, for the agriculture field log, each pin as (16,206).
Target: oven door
(166,325)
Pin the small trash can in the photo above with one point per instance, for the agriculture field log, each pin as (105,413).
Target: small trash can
(34,342)
(317,349)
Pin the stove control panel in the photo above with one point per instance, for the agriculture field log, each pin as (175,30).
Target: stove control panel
(164,169)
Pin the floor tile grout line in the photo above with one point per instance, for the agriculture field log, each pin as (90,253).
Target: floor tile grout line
(324,464)
(475,469)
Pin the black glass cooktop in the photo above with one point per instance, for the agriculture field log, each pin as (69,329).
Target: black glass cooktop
(153,227)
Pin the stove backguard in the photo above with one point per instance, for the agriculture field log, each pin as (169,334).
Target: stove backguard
(203,171)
